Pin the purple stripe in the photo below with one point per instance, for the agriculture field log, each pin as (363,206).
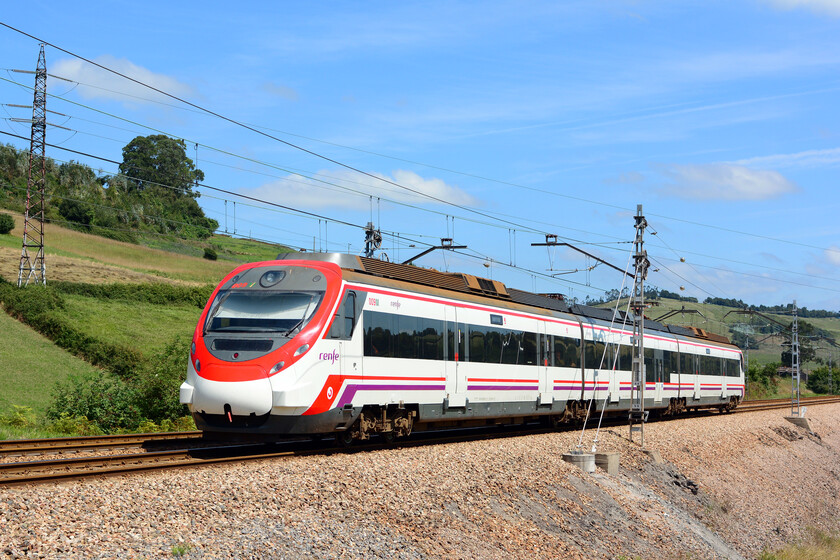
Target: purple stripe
(350,390)
(502,387)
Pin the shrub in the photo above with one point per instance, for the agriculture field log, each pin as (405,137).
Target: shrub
(74,426)
(107,402)
(157,294)
(158,384)
(210,254)
(7,223)
(147,401)
(19,417)
(822,380)
(30,301)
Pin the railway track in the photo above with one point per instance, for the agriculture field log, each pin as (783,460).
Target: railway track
(195,452)
(77,444)
(772,404)
(29,472)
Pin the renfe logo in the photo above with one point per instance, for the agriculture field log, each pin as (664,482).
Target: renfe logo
(331,356)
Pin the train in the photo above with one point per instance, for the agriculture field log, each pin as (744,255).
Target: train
(333,344)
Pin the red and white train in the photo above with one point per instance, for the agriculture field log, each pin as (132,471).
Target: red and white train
(337,344)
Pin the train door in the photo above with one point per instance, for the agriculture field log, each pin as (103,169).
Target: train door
(456,382)
(695,369)
(722,368)
(545,362)
(659,375)
(350,360)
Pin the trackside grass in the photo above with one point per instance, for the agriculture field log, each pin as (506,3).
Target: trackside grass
(31,365)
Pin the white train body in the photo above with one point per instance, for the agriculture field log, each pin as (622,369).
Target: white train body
(388,348)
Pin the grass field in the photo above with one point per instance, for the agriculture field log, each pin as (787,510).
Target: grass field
(30,366)
(145,327)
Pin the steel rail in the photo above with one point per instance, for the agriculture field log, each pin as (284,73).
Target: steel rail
(70,444)
(773,404)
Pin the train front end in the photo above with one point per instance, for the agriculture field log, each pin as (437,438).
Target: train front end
(251,369)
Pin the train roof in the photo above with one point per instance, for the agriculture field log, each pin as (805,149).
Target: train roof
(469,284)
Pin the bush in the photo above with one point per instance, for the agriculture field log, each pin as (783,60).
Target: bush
(158,384)
(762,375)
(210,254)
(75,426)
(823,381)
(147,401)
(107,402)
(30,301)
(7,223)
(19,417)
(157,294)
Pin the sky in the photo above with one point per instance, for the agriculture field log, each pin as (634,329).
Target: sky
(491,123)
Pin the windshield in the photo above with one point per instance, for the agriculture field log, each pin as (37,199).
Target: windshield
(261,311)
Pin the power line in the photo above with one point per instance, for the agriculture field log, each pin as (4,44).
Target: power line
(291,171)
(314,215)
(378,178)
(262,133)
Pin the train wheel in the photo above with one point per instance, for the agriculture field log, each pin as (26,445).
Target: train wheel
(345,438)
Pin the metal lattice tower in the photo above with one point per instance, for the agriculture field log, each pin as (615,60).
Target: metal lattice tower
(33,268)
(637,413)
(794,363)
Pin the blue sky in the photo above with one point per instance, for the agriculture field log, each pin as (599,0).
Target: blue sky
(721,118)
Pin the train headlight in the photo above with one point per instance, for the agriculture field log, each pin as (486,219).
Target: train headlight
(301,350)
(197,365)
(277,367)
(192,349)
(271,278)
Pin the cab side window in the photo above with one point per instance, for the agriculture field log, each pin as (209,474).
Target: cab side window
(349,314)
(345,319)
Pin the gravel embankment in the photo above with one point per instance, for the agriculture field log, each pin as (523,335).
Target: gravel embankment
(730,486)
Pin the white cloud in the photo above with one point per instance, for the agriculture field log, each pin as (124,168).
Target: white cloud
(832,254)
(830,7)
(725,181)
(96,83)
(808,158)
(296,190)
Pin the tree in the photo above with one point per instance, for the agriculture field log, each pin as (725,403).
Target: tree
(161,163)
(156,187)
(7,223)
(823,380)
(808,335)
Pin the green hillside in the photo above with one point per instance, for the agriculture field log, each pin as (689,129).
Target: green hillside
(116,319)
(31,365)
